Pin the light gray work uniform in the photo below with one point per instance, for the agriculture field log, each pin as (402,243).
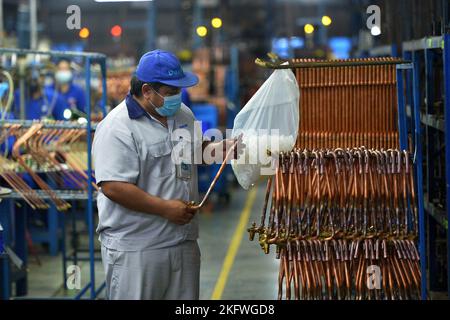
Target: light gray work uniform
(146,256)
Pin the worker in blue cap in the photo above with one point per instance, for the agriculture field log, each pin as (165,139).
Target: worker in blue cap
(147,228)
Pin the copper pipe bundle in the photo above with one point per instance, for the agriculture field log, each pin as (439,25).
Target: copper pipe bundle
(334,213)
(348,106)
(53,152)
(8,173)
(343,217)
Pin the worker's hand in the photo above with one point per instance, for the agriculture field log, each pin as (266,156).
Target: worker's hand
(179,212)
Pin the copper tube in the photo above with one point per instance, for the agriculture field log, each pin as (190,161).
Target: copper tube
(219,172)
(345,181)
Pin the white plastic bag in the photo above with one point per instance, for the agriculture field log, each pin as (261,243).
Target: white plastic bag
(269,124)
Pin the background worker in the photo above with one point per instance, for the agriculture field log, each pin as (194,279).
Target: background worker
(40,102)
(72,93)
(147,229)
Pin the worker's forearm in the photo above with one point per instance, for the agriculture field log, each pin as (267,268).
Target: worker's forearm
(133,198)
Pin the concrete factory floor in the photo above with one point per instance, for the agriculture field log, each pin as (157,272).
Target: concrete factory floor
(232,266)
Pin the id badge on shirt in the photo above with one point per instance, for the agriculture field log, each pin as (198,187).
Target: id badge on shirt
(184,169)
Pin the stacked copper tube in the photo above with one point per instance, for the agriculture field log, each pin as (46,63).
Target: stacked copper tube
(37,151)
(348,106)
(341,209)
(335,213)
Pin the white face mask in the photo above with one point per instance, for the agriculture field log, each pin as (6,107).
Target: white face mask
(63,76)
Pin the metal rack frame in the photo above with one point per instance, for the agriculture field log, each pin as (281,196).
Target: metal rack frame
(403,68)
(89,59)
(432,49)
(410,69)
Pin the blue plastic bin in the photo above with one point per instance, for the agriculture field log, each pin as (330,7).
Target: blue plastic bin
(209,116)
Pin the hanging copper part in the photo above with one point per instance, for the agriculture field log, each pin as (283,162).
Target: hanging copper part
(60,204)
(43,150)
(335,217)
(7,172)
(343,201)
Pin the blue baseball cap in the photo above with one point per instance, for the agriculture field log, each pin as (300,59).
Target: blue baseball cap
(164,67)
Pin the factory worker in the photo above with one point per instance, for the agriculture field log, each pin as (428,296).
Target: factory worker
(40,102)
(72,93)
(147,230)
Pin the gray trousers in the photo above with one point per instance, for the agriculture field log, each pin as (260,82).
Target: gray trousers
(157,274)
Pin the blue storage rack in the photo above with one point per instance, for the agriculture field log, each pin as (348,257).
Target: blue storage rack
(426,53)
(7,216)
(405,71)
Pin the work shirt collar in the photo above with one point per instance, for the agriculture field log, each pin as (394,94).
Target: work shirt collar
(135,111)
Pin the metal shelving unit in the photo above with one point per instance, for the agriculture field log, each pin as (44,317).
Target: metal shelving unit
(430,120)
(438,213)
(61,194)
(14,224)
(48,124)
(426,53)
(410,132)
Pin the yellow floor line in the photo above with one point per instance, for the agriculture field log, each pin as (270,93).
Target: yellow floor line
(234,245)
